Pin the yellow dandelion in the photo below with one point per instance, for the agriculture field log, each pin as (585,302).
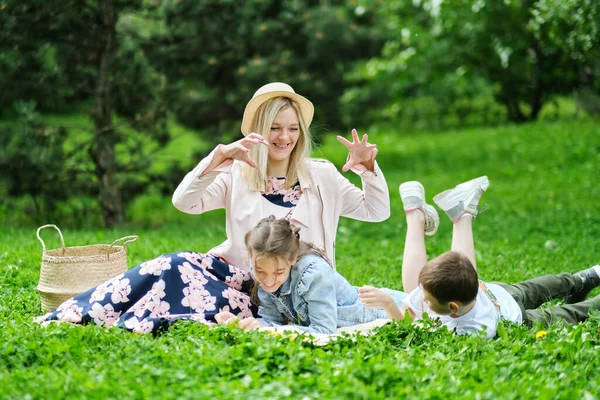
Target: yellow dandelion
(540,334)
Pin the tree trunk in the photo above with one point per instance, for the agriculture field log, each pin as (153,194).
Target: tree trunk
(103,151)
(538,90)
(512,107)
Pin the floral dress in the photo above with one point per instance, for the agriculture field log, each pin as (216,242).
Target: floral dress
(182,285)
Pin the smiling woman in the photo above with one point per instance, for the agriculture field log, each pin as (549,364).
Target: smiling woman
(267,172)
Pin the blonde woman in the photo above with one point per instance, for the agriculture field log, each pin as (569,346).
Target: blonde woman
(268,172)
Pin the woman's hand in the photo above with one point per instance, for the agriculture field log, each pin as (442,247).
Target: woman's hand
(362,154)
(239,150)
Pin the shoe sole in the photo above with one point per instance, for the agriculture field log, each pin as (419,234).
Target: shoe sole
(450,198)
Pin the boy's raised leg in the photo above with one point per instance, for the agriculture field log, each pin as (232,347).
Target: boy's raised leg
(421,219)
(415,254)
(461,205)
(462,238)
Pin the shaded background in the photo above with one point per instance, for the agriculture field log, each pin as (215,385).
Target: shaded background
(105,105)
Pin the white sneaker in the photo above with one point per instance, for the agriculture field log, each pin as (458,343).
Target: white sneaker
(413,198)
(463,199)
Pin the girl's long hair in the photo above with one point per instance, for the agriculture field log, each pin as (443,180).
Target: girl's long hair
(277,238)
(256,178)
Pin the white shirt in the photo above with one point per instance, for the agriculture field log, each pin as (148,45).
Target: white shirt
(484,316)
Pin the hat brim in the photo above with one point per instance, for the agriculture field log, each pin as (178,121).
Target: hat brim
(306,108)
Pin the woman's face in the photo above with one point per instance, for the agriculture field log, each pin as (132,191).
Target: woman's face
(271,273)
(284,134)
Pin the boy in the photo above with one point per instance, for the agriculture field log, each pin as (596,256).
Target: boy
(448,287)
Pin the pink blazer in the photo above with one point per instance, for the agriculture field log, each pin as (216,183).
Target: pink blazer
(325,197)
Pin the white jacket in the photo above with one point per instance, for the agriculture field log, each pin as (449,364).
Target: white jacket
(324,199)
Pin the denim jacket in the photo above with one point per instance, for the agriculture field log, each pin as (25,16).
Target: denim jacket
(318,299)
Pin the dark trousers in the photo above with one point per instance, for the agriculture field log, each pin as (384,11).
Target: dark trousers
(533,293)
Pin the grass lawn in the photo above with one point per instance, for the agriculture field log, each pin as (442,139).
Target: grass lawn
(543,216)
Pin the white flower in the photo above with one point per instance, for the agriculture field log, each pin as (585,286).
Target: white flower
(192,276)
(159,309)
(100,293)
(137,326)
(143,304)
(156,266)
(238,300)
(199,300)
(70,312)
(158,290)
(200,260)
(104,316)
(120,291)
(238,278)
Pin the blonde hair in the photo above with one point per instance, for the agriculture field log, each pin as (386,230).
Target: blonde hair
(256,178)
(279,239)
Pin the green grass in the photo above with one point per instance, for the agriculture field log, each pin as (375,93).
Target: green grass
(543,217)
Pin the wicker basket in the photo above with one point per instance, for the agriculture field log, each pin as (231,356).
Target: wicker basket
(69,271)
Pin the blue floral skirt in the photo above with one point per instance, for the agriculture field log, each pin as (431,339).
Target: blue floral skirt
(151,296)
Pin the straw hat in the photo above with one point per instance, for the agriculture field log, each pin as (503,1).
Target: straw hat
(275,89)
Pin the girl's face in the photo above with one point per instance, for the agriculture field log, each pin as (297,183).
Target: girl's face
(271,273)
(284,134)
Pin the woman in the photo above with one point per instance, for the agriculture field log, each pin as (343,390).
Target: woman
(268,172)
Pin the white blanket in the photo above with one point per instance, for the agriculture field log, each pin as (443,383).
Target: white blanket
(321,339)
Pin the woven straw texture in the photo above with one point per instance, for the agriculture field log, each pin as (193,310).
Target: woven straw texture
(69,271)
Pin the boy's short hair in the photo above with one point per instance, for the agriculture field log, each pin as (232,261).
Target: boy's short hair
(450,277)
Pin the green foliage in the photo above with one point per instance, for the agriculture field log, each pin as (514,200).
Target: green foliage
(453,63)
(573,28)
(217,53)
(419,80)
(34,163)
(50,51)
(66,54)
(541,219)
(63,186)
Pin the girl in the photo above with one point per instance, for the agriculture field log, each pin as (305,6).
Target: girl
(268,172)
(296,284)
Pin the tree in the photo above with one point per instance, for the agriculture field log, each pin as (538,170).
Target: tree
(538,50)
(216,53)
(458,53)
(61,54)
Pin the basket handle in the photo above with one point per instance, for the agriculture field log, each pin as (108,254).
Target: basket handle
(62,240)
(130,239)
